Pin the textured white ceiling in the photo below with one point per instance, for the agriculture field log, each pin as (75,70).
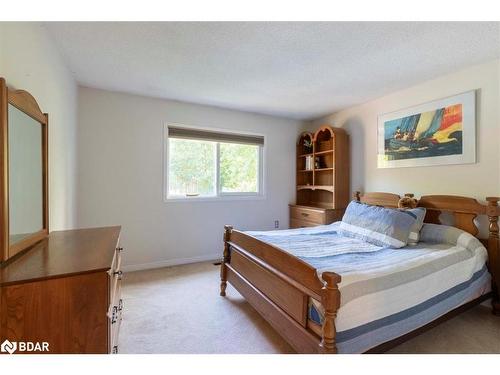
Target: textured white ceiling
(296,70)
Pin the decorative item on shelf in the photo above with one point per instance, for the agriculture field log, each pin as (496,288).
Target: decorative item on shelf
(317,162)
(309,163)
(308,146)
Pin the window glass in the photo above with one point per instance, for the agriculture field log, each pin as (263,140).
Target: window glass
(239,168)
(192,168)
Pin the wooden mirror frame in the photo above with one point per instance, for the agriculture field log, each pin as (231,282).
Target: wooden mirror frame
(27,104)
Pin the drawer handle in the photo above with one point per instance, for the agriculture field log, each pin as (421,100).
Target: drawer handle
(119,249)
(119,274)
(113,317)
(304,214)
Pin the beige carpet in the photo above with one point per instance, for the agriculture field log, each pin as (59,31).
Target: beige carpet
(179,310)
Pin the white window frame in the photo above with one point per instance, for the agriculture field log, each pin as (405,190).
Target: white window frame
(219,195)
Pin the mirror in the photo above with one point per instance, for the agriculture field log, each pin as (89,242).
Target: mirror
(23,172)
(25,176)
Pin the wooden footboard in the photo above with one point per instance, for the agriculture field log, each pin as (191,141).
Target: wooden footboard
(278,285)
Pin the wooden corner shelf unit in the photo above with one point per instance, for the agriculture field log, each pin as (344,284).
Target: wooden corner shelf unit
(322,177)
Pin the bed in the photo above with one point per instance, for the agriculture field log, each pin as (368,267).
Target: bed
(325,293)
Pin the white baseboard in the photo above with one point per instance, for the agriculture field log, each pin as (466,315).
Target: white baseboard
(171,262)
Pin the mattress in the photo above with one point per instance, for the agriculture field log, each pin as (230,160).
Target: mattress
(386,293)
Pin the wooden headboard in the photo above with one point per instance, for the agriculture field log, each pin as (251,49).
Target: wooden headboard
(464,210)
(388,200)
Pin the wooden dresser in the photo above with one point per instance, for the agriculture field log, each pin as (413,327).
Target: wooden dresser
(65,291)
(322,177)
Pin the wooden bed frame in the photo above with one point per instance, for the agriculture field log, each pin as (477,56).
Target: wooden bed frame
(278,285)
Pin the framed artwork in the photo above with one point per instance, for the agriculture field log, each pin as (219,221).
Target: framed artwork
(435,133)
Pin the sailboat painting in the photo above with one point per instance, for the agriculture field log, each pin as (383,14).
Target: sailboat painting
(440,132)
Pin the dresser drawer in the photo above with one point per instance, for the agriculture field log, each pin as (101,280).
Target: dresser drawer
(115,320)
(116,263)
(308,214)
(115,294)
(295,223)
(115,313)
(115,308)
(115,330)
(115,273)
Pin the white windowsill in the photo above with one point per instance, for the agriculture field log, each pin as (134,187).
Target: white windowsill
(223,198)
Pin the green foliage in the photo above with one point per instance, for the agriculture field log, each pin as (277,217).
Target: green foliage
(239,166)
(191,167)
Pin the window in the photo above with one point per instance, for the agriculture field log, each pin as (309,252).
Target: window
(207,164)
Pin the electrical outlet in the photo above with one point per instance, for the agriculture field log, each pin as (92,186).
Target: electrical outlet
(276,223)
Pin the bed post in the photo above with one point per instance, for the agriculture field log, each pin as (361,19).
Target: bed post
(493,212)
(330,299)
(225,259)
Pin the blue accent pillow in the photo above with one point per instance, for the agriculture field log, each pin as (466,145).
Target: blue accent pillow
(377,225)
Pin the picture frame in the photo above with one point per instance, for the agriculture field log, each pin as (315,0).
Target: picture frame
(440,132)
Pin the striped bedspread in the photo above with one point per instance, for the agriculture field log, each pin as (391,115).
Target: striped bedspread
(386,293)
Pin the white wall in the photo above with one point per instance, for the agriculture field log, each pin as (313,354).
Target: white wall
(29,60)
(477,180)
(121,177)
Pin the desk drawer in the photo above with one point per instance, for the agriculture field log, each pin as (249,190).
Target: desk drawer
(307,214)
(295,223)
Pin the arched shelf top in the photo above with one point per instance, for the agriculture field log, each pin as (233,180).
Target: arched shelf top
(305,144)
(324,139)
(325,128)
(26,103)
(303,136)
(330,130)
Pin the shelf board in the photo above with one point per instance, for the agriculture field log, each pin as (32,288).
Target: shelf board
(315,153)
(316,170)
(315,187)
(304,155)
(323,169)
(323,152)
(323,187)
